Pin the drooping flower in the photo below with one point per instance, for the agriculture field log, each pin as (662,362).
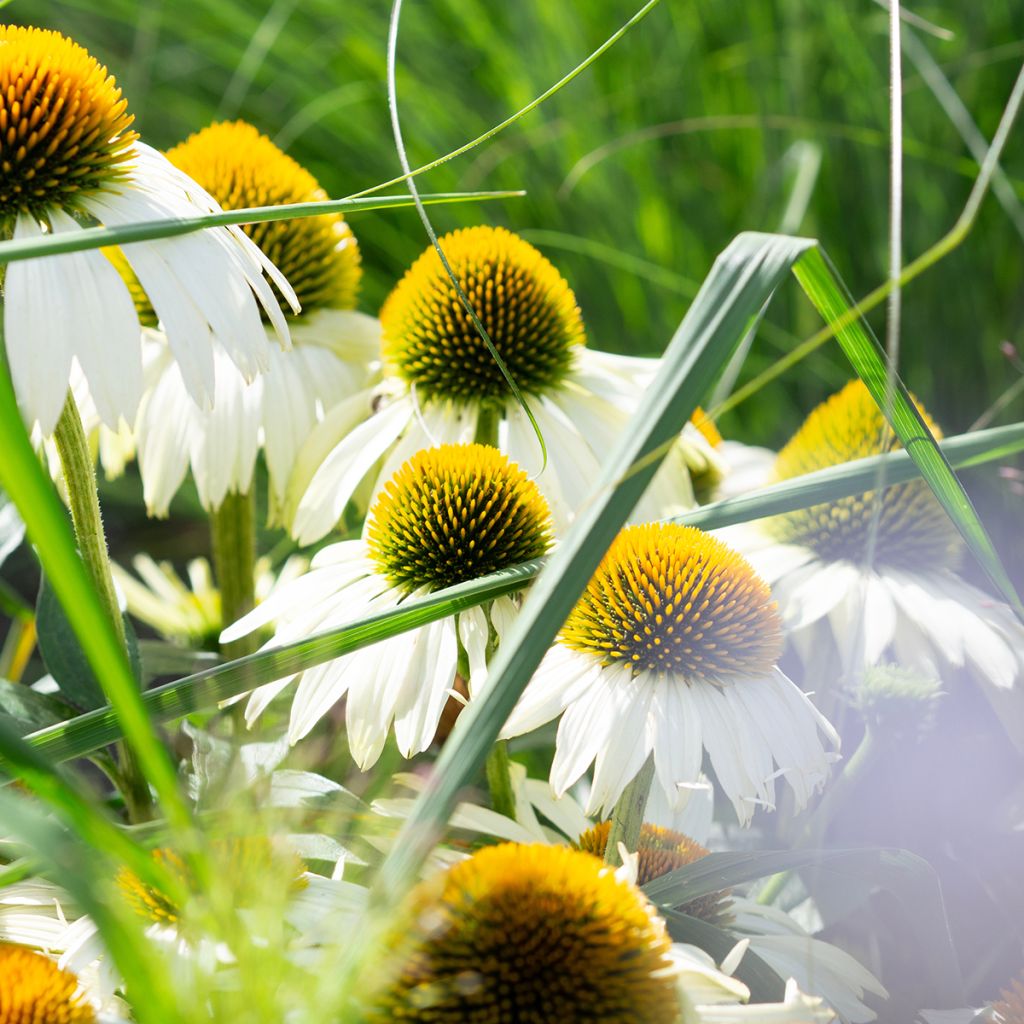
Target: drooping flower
(334,346)
(672,650)
(448,515)
(909,604)
(71,159)
(529,932)
(442,385)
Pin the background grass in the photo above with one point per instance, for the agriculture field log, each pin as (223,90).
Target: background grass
(709,119)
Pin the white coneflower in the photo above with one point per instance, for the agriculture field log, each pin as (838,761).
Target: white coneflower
(442,385)
(34,989)
(333,346)
(526,932)
(448,515)
(672,650)
(909,603)
(70,159)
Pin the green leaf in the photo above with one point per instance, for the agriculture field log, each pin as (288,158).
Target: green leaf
(764,984)
(62,652)
(27,709)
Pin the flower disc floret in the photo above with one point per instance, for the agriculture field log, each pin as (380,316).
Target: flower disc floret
(913,529)
(64,126)
(659,851)
(669,598)
(242,168)
(529,934)
(34,990)
(523,302)
(454,513)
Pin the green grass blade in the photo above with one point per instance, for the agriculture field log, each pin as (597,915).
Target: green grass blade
(22,477)
(821,283)
(204,690)
(94,238)
(69,800)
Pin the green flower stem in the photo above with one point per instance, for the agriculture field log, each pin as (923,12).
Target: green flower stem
(499,780)
(233,537)
(817,822)
(83,498)
(628,816)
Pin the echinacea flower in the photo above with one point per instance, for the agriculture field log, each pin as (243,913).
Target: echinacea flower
(672,650)
(909,604)
(448,515)
(333,345)
(526,932)
(442,386)
(188,613)
(71,160)
(35,990)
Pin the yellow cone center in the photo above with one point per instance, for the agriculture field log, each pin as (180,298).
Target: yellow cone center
(670,598)
(64,127)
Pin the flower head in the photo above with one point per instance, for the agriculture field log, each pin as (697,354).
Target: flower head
(454,513)
(529,933)
(242,168)
(69,158)
(66,126)
(913,529)
(524,303)
(447,515)
(34,990)
(670,650)
(670,598)
(659,851)
(245,862)
(334,351)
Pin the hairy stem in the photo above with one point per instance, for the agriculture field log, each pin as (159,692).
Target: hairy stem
(84,501)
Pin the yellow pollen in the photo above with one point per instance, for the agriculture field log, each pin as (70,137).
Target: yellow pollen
(527,934)
(245,862)
(64,127)
(524,303)
(455,513)
(241,168)
(669,598)
(659,851)
(913,529)
(34,990)
(1009,1008)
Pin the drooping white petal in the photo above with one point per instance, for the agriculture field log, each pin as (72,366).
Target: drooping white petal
(341,471)
(416,726)
(678,745)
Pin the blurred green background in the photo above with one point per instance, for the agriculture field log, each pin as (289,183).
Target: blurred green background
(709,119)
